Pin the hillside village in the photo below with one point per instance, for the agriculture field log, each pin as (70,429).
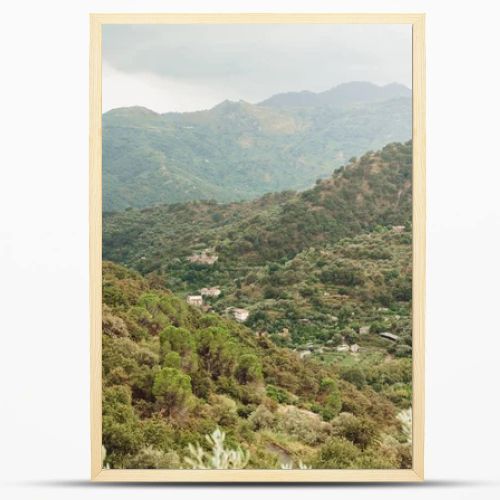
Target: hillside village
(326,294)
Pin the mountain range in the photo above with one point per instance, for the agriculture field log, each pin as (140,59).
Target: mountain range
(341,95)
(240,151)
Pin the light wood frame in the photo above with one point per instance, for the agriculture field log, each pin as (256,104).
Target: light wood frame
(264,475)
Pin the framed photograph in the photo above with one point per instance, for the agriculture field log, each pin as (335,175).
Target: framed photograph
(257,247)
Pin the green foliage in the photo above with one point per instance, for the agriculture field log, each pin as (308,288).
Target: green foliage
(120,425)
(360,431)
(337,453)
(278,394)
(156,402)
(172,360)
(149,458)
(172,388)
(355,375)
(332,402)
(315,269)
(249,369)
(216,350)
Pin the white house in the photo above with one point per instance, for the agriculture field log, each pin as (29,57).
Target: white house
(285,333)
(207,256)
(304,354)
(194,300)
(388,335)
(240,315)
(210,292)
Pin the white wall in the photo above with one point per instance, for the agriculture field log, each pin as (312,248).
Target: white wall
(44,449)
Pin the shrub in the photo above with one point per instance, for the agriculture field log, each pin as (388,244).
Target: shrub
(149,458)
(355,375)
(337,453)
(332,402)
(360,431)
(223,410)
(262,418)
(278,394)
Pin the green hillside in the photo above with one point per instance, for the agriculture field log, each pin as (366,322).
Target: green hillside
(372,191)
(173,374)
(239,151)
(293,260)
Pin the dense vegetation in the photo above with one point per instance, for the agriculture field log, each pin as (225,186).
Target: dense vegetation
(319,374)
(173,374)
(238,151)
(367,193)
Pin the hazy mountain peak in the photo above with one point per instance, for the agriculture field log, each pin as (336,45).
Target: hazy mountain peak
(132,111)
(228,105)
(341,95)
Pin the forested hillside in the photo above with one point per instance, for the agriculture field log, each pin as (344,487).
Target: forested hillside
(315,372)
(372,191)
(239,151)
(173,373)
(294,261)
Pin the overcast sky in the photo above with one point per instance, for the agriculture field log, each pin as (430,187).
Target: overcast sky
(191,67)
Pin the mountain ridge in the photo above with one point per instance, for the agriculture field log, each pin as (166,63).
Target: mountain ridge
(339,95)
(237,150)
(387,92)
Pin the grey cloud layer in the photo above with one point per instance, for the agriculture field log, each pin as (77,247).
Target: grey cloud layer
(256,61)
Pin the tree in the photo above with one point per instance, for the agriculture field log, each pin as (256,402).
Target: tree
(121,434)
(181,341)
(172,360)
(249,369)
(216,351)
(333,399)
(360,431)
(172,389)
(177,339)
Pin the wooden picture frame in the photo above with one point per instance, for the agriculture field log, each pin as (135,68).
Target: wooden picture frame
(414,474)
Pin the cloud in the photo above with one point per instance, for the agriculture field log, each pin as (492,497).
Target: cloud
(159,93)
(196,66)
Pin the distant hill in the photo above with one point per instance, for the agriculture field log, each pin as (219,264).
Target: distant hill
(342,95)
(239,151)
